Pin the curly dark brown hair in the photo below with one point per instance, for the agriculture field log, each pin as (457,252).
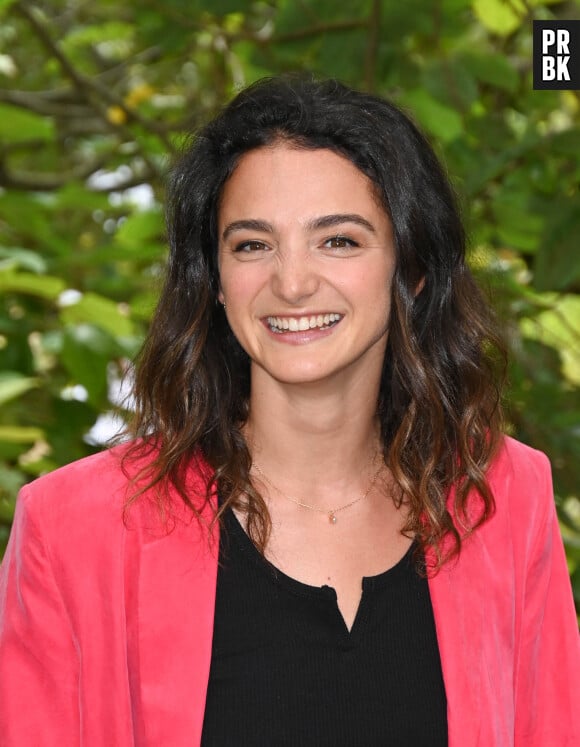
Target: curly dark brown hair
(439,404)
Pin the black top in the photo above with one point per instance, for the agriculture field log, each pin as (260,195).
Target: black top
(285,670)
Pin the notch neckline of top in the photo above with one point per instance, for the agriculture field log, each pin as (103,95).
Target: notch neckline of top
(368,583)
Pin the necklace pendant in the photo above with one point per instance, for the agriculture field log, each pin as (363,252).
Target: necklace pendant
(331,518)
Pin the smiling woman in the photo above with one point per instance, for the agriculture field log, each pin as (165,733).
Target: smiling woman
(318,534)
(306,256)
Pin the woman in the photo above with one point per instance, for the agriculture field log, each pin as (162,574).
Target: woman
(319,535)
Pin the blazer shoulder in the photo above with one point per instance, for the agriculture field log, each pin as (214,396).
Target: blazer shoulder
(79,505)
(100,485)
(96,478)
(518,460)
(520,478)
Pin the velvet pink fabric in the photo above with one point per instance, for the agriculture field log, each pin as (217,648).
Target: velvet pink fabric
(106,626)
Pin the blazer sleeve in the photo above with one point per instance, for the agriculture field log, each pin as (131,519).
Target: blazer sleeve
(547,691)
(39,663)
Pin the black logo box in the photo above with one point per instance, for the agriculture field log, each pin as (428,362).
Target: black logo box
(557,55)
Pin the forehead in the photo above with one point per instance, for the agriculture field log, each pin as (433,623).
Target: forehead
(287,181)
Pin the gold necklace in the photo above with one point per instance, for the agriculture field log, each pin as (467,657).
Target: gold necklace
(331,513)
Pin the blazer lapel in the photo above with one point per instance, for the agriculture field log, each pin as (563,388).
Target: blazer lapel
(170,598)
(458,607)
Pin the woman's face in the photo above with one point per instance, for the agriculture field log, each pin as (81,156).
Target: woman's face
(306,262)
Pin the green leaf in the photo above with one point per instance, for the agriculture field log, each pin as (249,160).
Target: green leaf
(140,228)
(328,56)
(451,82)
(31,220)
(220,7)
(518,226)
(439,120)
(5,5)
(12,257)
(13,385)
(72,419)
(494,69)
(499,16)
(42,286)
(7,505)
(20,435)
(557,264)
(559,327)
(566,143)
(100,311)
(39,466)
(87,35)
(76,197)
(18,124)
(453,7)
(85,354)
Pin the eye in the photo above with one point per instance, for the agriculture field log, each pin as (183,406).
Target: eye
(247,247)
(340,242)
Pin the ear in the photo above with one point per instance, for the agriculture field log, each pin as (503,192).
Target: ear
(221,298)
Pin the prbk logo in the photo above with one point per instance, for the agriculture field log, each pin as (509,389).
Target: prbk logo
(557,55)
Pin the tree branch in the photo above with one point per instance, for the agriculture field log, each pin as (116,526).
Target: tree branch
(144,57)
(48,106)
(86,85)
(36,182)
(321,28)
(374,26)
(135,180)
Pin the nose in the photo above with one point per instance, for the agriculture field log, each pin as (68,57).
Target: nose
(295,278)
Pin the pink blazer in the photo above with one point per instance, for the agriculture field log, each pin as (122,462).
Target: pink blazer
(106,626)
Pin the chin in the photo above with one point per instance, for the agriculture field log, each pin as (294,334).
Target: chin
(305,375)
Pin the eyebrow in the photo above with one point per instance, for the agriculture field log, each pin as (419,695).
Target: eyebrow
(329,221)
(247,225)
(324,221)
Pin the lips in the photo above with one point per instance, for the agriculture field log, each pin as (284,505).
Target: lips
(281,324)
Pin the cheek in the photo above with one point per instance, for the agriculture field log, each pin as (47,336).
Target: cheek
(238,291)
(376,293)
(369,288)
(229,282)
(241,282)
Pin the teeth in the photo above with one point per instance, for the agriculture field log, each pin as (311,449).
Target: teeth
(302,323)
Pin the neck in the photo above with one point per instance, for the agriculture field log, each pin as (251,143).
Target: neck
(313,438)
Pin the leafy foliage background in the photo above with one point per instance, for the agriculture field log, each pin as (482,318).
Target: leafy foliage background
(95,98)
